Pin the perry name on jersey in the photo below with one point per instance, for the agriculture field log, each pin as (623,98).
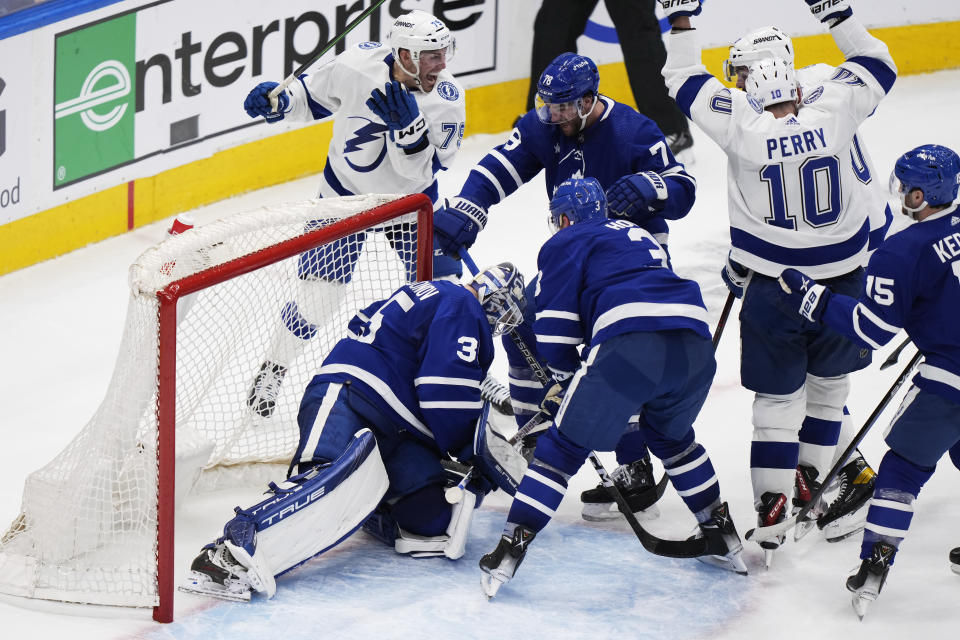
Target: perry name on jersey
(620,143)
(913,283)
(361,158)
(792,199)
(419,356)
(630,289)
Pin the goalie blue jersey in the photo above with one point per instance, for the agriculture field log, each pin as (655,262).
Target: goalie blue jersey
(419,356)
(602,278)
(621,142)
(913,283)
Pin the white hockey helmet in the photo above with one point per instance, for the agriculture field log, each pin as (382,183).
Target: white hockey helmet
(756,45)
(771,82)
(419,31)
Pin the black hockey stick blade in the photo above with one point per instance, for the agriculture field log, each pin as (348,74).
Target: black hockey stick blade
(893,357)
(691,548)
(723,319)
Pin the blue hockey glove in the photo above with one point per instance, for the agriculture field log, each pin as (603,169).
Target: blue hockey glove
(803,291)
(735,276)
(457,224)
(399,111)
(832,12)
(550,405)
(676,8)
(636,196)
(257,102)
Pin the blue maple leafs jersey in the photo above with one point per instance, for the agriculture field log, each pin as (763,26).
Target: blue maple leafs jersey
(621,142)
(602,278)
(362,158)
(913,283)
(419,356)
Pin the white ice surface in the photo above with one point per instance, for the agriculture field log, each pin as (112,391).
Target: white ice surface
(60,327)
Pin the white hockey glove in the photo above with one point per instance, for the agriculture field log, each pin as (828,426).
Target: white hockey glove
(830,12)
(676,8)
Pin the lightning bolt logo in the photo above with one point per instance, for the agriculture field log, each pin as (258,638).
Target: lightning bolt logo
(368,132)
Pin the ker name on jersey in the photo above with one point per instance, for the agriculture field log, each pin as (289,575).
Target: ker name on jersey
(792,201)
(362,158)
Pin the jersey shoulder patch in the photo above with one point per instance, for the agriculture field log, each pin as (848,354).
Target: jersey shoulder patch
(370,45)
(814,95)
(448,90)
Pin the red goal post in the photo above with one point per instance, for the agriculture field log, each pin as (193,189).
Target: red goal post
(179,391)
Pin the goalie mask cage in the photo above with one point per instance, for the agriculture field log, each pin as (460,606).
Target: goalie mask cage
(96,523)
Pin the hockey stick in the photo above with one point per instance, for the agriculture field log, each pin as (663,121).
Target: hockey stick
(690,548)
(893,357)
(766,533)
(337,38)
(723,319)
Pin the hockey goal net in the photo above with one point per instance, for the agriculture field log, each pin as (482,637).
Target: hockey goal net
(96,523)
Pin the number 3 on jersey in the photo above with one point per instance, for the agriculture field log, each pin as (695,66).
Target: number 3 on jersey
(817,184)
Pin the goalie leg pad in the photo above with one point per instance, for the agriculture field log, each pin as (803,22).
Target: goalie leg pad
(307,514)
(452,543)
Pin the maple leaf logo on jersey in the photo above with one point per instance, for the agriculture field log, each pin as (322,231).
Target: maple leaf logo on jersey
(954,221)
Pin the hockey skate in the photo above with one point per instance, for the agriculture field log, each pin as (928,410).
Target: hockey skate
(266,388)
(866,583)
(955,560)
(724,543)
(772,510)
(847,513)
(501,564)
(637,485)
(216,573)
(805,486)
(497,394)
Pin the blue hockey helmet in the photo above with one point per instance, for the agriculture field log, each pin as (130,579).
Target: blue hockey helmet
(577,199)
(932,168)
(500,290)
(562,86)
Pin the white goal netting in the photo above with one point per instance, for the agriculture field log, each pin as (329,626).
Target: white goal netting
(87,530)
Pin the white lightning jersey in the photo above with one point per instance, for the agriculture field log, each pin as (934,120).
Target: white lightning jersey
(791,195)
(362,158)
(874,184)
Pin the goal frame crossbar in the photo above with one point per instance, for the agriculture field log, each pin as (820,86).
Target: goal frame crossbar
(167,298)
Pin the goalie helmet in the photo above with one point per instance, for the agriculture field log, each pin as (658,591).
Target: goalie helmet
(771,82)
(419,31)
(756,45)
(500,291)
(932,168)
(562,86)
(577,199)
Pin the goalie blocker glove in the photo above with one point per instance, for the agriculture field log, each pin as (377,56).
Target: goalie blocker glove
(809,298)
(399,111)
(257,103)
(457,224)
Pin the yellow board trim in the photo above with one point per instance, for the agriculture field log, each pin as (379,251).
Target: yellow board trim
(491,109)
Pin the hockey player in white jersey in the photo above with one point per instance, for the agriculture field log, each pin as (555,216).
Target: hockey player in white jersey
(791,204)
(914,284)
(399,116)
(391,401)
(846,513)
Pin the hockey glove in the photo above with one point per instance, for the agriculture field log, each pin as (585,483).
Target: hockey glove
(257,102)
(735,276)
(636,196)
(676,8)
(810,298)
(831,12)
(399,111)
(550,405)
(457,224)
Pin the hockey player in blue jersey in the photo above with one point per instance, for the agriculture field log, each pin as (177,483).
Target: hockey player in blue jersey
(605,284)
(913,283)
(846,513)
(392,399)
(399,116)
(788,207)
(576,132)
